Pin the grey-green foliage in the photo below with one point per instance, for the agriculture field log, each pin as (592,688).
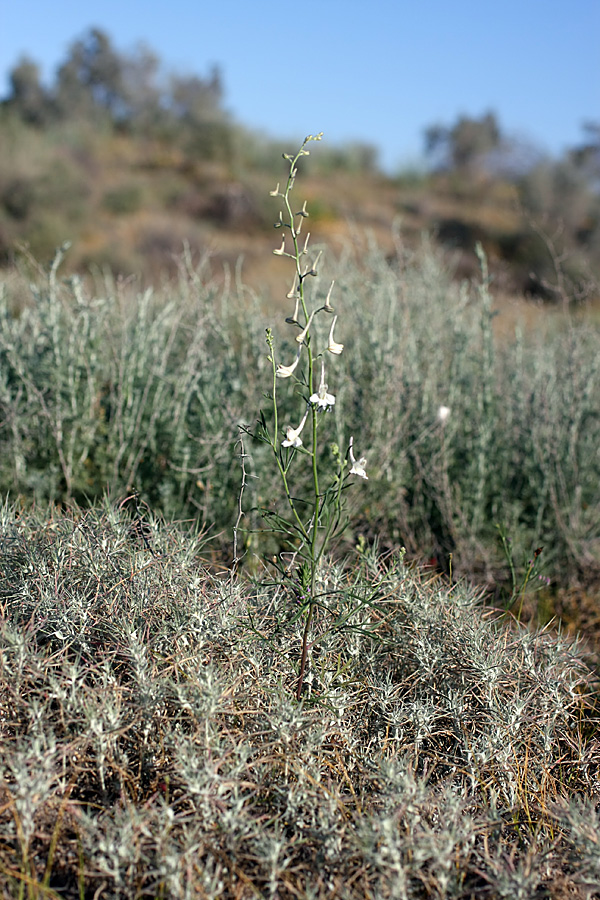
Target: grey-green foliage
(117,392)
(521,444)
(579,816)
(151,703)
(115,389)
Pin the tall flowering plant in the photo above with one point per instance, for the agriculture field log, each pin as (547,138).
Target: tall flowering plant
(311,522)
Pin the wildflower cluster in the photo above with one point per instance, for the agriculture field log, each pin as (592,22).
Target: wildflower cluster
(320,399)
(311,523)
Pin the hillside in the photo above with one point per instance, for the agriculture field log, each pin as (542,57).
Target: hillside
(132,204)
(130,168)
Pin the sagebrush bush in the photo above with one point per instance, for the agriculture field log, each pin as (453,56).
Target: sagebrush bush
(108,389)
(522,427)
(151,744)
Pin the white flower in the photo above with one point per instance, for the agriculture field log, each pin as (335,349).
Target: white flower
(301,337)
(293,292)
(358,468)
(327,306)
(443,413)
(322,399)
(292,435)
(332,345)
(286,371)
(293,320)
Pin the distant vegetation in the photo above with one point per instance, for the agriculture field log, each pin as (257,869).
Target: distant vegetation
(128,162)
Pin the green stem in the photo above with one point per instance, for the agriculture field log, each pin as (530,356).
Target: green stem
(277,453)
(530,569)
(304,654)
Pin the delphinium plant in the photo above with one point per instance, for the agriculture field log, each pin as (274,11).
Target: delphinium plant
(308,524)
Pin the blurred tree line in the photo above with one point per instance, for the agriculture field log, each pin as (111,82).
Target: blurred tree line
(131,94)
(60,152)
(98,84)
(130,161)
(559,199)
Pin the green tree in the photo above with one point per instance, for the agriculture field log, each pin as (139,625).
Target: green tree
(91,78)
(143,99)
(586,157)
(196,100)
(465,146)
(27,96)
(195,103)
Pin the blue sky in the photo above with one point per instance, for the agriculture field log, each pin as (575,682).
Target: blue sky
(378,71)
